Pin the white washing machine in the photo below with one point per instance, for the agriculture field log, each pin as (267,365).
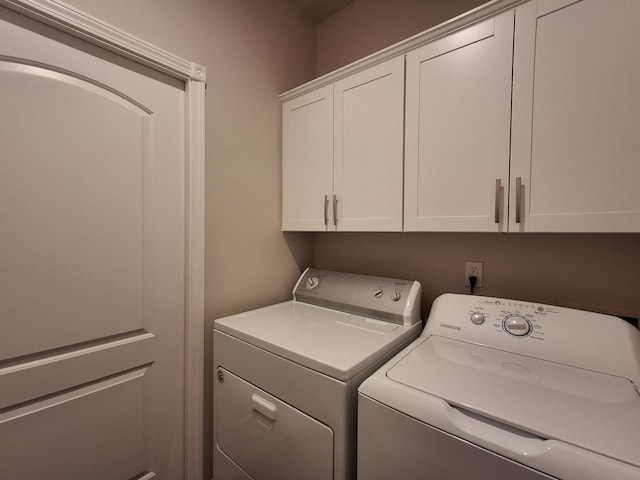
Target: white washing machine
(285,395)
(502,389)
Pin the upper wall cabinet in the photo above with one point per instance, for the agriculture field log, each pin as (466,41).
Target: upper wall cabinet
(342,153)
(575,159)
(550,146)
(458,113)
(519,116)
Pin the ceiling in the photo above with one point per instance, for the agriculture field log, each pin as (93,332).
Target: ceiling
(319,10)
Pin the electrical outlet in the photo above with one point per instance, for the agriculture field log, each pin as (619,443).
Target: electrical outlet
(471,269)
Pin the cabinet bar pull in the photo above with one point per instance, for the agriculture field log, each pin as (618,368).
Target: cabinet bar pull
(326,210)
(335,210)
(496,216)
(518,198)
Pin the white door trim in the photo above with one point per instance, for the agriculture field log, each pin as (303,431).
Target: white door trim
(93,30)
(194,281)
(97,32)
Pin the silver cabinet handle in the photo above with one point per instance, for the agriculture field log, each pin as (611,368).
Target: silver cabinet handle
(518,198)
(496,216)
(335,210)
(326,210)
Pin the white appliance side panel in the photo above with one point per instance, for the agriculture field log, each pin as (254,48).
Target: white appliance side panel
(268,438)
(394,445)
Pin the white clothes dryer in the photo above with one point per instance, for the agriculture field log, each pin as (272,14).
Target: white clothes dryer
(498,389)
(285,395)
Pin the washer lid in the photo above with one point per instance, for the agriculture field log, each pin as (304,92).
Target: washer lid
(590,410)
(335,343)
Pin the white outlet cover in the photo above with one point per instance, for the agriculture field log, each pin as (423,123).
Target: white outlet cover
(468,268)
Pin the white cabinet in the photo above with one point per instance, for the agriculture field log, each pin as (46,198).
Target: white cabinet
(458,115)
(551,146)
(576,120)
(521,119)
(342,153)
(307,160)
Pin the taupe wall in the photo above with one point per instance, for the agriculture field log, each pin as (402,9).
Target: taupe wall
(599,272)
(253,50)
(593,272)
(367,26)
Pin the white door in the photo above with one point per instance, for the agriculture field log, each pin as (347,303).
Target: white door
(368,148)
(575,117)
(457,129)
(92,301)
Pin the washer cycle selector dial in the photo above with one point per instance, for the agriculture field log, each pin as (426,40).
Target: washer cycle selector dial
(516,325)
(395,296)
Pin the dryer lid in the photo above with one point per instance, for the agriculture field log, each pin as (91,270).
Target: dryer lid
(591,410)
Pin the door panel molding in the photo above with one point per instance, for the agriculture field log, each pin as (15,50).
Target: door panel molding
(68,424)
(47,375)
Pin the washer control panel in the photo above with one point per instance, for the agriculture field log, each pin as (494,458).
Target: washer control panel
(542,331)
(517,319)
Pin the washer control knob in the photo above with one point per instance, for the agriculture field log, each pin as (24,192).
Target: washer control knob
(395,296)
(477,318)
(516,325)
(378,292)
(312,282)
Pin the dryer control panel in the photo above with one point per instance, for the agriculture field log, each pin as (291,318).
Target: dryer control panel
(390,299)
(573,337)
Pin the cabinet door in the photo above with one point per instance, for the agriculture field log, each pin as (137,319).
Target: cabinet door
(575,117)
(458,109)
(368,161)
(307,161)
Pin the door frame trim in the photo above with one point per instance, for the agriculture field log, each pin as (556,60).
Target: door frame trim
(92,30)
